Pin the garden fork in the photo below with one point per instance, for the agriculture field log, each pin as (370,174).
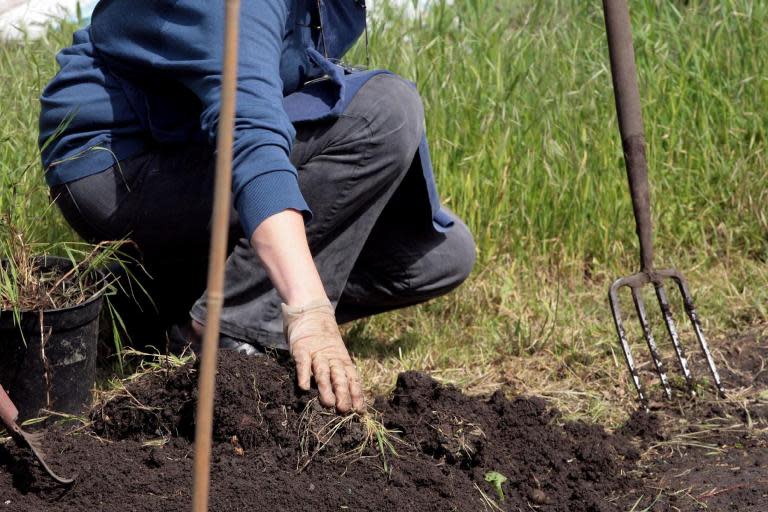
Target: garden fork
(624,75)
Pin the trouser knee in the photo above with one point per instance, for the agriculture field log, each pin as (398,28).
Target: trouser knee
(462,255)
(396,120)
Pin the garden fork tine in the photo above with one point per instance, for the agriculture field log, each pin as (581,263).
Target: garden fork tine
(690,310)
(666,312)
(655,355)
(624,75)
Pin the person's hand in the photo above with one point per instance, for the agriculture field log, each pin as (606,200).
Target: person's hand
(317,349)
(310,325)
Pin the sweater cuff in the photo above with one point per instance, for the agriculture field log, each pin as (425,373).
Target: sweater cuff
(266,195)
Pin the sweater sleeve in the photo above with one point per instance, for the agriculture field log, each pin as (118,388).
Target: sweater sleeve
(183,40)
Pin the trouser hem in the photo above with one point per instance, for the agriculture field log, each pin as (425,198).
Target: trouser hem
(257,337)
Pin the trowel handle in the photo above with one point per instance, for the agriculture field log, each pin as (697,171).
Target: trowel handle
(8,412)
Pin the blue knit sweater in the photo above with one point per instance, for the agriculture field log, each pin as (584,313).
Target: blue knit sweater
(147,73)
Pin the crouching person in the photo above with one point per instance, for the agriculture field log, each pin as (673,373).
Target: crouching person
(335,216)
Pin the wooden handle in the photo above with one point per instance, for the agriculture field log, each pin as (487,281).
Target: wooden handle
(217,260)
(8,412)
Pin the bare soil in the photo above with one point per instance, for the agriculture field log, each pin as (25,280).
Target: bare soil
(276,449)
(709,454)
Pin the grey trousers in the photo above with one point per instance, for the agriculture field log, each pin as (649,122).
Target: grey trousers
(371,234)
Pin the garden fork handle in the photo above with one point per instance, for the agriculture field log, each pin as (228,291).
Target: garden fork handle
(624,75)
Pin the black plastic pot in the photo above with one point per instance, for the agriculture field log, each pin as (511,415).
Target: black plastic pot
(71,336)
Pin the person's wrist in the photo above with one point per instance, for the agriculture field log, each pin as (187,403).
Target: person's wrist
(305,288)
(311,320)
(321,304)
(302,297)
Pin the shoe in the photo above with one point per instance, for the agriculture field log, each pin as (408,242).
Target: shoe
(227,343)
(180,340)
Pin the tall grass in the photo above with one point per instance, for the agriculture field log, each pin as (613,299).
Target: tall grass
(522,126)
(522,122)
(25,68)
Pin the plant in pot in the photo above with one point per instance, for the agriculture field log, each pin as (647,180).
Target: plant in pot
(52,292)
(51,299)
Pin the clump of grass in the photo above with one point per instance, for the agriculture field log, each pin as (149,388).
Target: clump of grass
(141,363)
(319,427)
(154,362)
(28,284)
(379,436)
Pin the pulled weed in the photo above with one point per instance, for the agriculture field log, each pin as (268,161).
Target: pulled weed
(319,428)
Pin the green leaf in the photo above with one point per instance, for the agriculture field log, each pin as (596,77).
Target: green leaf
(496,479)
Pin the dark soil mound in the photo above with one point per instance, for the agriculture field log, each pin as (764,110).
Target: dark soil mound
(572,467)
(276,449)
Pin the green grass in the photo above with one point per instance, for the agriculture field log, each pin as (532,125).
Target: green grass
(24,71)
(524,140)
(522,123)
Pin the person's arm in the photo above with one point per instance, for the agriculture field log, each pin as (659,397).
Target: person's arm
(281,244)
(310,325)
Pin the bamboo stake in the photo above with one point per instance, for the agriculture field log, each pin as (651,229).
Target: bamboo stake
(217,260)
